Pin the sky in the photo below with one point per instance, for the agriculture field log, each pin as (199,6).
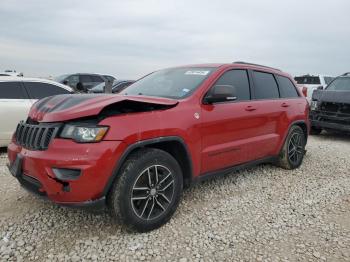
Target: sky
(131,38)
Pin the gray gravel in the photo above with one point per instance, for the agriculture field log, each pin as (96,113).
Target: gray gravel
(261,214)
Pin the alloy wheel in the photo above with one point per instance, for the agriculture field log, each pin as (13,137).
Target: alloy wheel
(295,148)
(153,191)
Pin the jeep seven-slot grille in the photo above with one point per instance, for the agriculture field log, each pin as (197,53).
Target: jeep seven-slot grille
(35,137)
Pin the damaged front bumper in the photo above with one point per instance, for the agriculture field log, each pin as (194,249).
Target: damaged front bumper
(37,172)
(330,120)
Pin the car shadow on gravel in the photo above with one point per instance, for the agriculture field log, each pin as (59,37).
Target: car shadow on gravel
(334,136)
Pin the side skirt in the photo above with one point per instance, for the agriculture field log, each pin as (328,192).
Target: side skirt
(222,172)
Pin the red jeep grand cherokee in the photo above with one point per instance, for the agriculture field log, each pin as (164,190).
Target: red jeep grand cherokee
(136,151)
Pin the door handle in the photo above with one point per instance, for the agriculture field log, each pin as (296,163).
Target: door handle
(285,105)
(250,108)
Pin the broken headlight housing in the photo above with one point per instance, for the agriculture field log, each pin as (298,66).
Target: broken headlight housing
(83,133)
(314,105)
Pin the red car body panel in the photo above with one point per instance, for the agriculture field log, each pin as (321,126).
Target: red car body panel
(216,136)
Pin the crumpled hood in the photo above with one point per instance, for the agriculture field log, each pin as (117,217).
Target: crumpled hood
(332,96)
(68,107)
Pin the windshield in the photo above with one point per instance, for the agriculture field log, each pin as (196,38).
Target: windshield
(308,80)
(60,78)
(340,84)
(170,83)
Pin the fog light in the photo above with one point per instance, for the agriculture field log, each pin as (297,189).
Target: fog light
(66,174)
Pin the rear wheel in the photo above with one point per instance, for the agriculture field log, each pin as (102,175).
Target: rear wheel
(293,150)
(315,131)
(147,191)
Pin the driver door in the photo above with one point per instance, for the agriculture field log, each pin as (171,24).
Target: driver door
(228,128)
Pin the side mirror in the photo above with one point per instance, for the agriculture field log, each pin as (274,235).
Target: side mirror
(320,88)
(221,93)
(65,82)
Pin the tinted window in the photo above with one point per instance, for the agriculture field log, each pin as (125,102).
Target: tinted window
(97,79)
(85,78)
(41,90)
(308,80)
(12,90)
(239,80)
(287,88)
(265,86)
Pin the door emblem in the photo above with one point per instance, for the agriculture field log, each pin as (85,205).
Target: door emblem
(196,115)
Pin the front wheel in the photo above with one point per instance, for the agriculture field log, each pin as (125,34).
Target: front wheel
(147,191)
(293,150)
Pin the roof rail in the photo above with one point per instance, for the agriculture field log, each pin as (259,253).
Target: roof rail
(245,63)
(345,74)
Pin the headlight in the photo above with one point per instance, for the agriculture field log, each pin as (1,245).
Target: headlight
(84,134)
(314,105)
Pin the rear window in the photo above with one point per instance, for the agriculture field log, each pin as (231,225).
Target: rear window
(41,90)
(308,80)
(287,88)
(265,86)
(12,90)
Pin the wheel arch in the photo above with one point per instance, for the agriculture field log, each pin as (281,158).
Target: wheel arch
(173,145)
(302,124)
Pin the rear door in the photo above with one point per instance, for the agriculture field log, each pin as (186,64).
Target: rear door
(14,107)
(266,98)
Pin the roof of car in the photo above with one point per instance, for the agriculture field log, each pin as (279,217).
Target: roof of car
(33,79)
(239,64)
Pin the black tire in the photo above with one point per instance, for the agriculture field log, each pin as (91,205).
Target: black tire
(142,169)
(293,150)
(315,131)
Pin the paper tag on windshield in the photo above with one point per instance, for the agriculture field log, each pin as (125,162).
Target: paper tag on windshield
(199,73)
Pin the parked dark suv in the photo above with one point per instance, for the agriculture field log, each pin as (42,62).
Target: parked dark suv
(135,151)
(330,108)
(83,82)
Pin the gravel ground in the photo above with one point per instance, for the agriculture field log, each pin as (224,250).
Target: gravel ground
(261,214)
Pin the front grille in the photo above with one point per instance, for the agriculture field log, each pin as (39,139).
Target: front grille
(330,107)
(35,137)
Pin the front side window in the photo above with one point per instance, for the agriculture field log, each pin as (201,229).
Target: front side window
(12,90)
(40,90)
(265,86)
(96,79)
(86,79)
(170,83)
(73,80)
(239,80)
(287,89)
(339,84)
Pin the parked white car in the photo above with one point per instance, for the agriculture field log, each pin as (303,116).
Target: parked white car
(312,82)
(10,73)
(17,95)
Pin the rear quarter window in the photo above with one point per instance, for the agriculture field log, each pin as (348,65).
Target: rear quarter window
(265,86)
(287,88)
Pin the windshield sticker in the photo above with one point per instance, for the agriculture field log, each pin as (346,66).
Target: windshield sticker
(185,90)
(198,73)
